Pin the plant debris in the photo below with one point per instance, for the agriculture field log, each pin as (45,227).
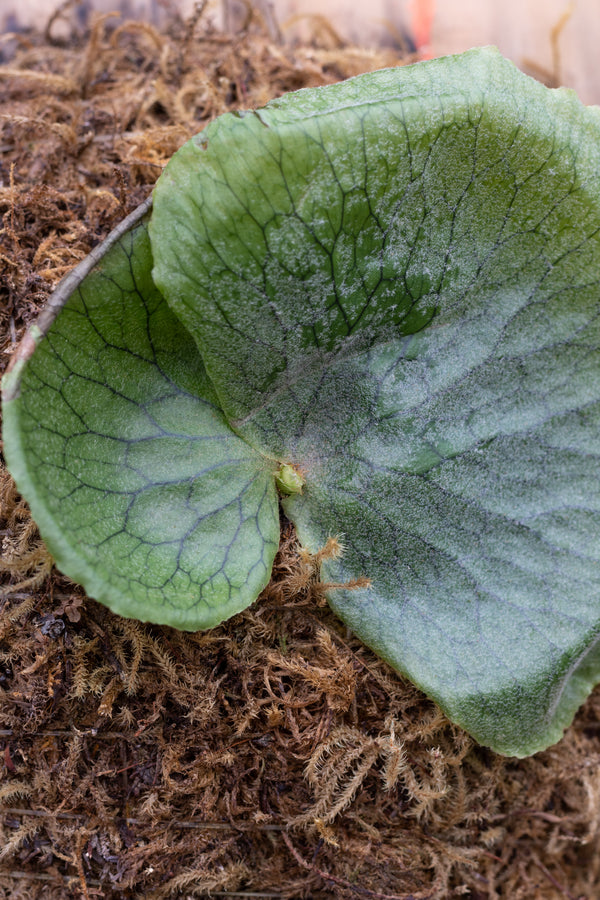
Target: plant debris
(274,756)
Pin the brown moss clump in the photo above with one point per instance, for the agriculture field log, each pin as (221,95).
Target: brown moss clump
(274,756)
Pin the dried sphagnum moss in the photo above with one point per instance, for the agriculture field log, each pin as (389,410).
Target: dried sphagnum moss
(274,754)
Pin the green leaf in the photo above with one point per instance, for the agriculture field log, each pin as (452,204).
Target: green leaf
(112,430)
(384,298)
(482,551)
(394,286)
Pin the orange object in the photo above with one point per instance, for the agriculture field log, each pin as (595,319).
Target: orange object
(422,13)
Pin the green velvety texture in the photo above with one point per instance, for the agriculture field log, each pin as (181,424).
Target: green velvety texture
(390,290)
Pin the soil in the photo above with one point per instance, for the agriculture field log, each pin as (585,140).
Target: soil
(274,756)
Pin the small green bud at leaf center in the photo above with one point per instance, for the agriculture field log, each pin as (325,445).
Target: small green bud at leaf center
(288,480)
